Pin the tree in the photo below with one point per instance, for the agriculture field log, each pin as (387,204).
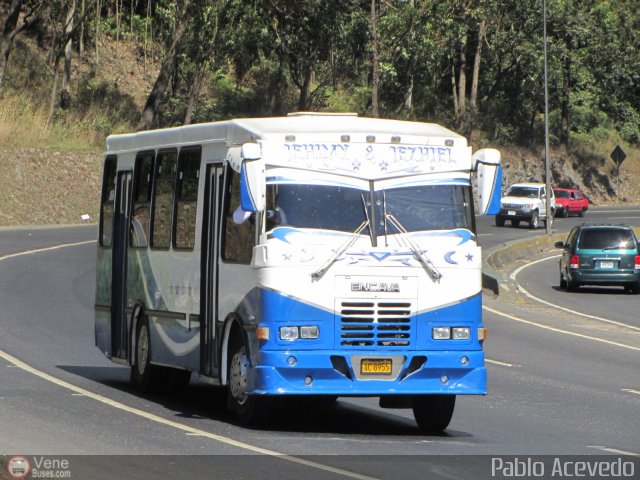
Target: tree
(11,28)
(150,112)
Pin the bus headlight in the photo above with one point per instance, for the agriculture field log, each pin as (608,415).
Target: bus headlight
(461,333)
(289,333)
(441,333)
(310,331)
(451,333)
(294,333)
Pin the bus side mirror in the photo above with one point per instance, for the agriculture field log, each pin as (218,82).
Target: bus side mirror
(487,161)
(252,179)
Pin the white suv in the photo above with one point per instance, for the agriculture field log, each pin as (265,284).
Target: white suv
(525,201)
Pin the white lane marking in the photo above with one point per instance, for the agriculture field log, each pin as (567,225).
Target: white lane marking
(485,234)
(502,364)
(155,418)
(614,450)
(559,330)
(613,211)
(574,312)
(179,426)
(631,390)
(46,249)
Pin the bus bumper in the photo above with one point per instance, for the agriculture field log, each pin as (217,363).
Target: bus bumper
(338,373)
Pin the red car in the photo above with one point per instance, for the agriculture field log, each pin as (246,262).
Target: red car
(570,201)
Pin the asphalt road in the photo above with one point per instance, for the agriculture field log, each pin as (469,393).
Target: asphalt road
(560,384)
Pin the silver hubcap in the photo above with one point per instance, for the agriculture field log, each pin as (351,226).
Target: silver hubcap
(142,352)
(238,377)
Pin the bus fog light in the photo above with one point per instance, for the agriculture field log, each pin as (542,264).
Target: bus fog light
(291,361)
(310,331)
(444,379)
(308,380)
(289,333)
(461,333)
(441,333)
(464,360)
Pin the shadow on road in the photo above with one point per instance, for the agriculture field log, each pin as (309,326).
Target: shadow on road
(291,414)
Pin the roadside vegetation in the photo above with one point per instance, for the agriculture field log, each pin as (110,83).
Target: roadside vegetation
(74,71)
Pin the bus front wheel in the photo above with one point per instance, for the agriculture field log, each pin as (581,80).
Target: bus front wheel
(250,409)
(144,376)
(433,412)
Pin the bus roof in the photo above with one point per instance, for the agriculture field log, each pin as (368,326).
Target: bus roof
(303,126)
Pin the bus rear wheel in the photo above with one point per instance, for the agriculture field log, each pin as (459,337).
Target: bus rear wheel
(144,376)
(433,412)
(249,409)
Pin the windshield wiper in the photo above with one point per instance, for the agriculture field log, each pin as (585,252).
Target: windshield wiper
(318,274)
(368,220)
(406,239)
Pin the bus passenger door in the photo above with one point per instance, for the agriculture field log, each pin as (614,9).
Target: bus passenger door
(209,270)
(121,225)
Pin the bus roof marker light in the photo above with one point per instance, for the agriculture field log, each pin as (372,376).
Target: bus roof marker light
(448,142)
(395,139)
(290,138)
(345,138)
(371,139)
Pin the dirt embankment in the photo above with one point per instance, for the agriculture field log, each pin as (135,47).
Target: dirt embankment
(39,187)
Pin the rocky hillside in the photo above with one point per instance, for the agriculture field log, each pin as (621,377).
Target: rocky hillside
(594,174)
(43,187)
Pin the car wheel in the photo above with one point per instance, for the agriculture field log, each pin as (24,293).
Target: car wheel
(144,376)
(433,412)
(563,282)
(572,285)
(581,213)
(564,213)
(633,288)
(515,223)
(534,221)
(499,221)
(249,409)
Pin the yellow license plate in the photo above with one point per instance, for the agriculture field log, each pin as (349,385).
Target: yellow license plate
(377,366)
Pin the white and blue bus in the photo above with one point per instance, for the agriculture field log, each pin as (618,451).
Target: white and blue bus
(315,254)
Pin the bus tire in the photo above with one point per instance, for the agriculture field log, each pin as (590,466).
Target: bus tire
(249,409)
(433,412)
(144,376)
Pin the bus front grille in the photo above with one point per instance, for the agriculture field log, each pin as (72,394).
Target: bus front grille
(376,323)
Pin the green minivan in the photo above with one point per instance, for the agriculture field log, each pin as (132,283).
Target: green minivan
(600,255)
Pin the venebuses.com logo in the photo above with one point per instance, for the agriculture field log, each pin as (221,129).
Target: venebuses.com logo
(36,467)
(18,467)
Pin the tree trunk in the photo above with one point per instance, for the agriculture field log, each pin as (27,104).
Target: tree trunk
(476,68)
(9,32)
(194,91)
(81,34)
(65,96)
(152,105)
(375,75)
(54,88)
(462,85)
(454,90)
(303,100)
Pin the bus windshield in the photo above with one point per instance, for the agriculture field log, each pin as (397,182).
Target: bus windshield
(340,208)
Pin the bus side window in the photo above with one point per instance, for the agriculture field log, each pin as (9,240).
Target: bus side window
(108,200)
(187,198)
(141,199)
(163,192)
(238,238)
